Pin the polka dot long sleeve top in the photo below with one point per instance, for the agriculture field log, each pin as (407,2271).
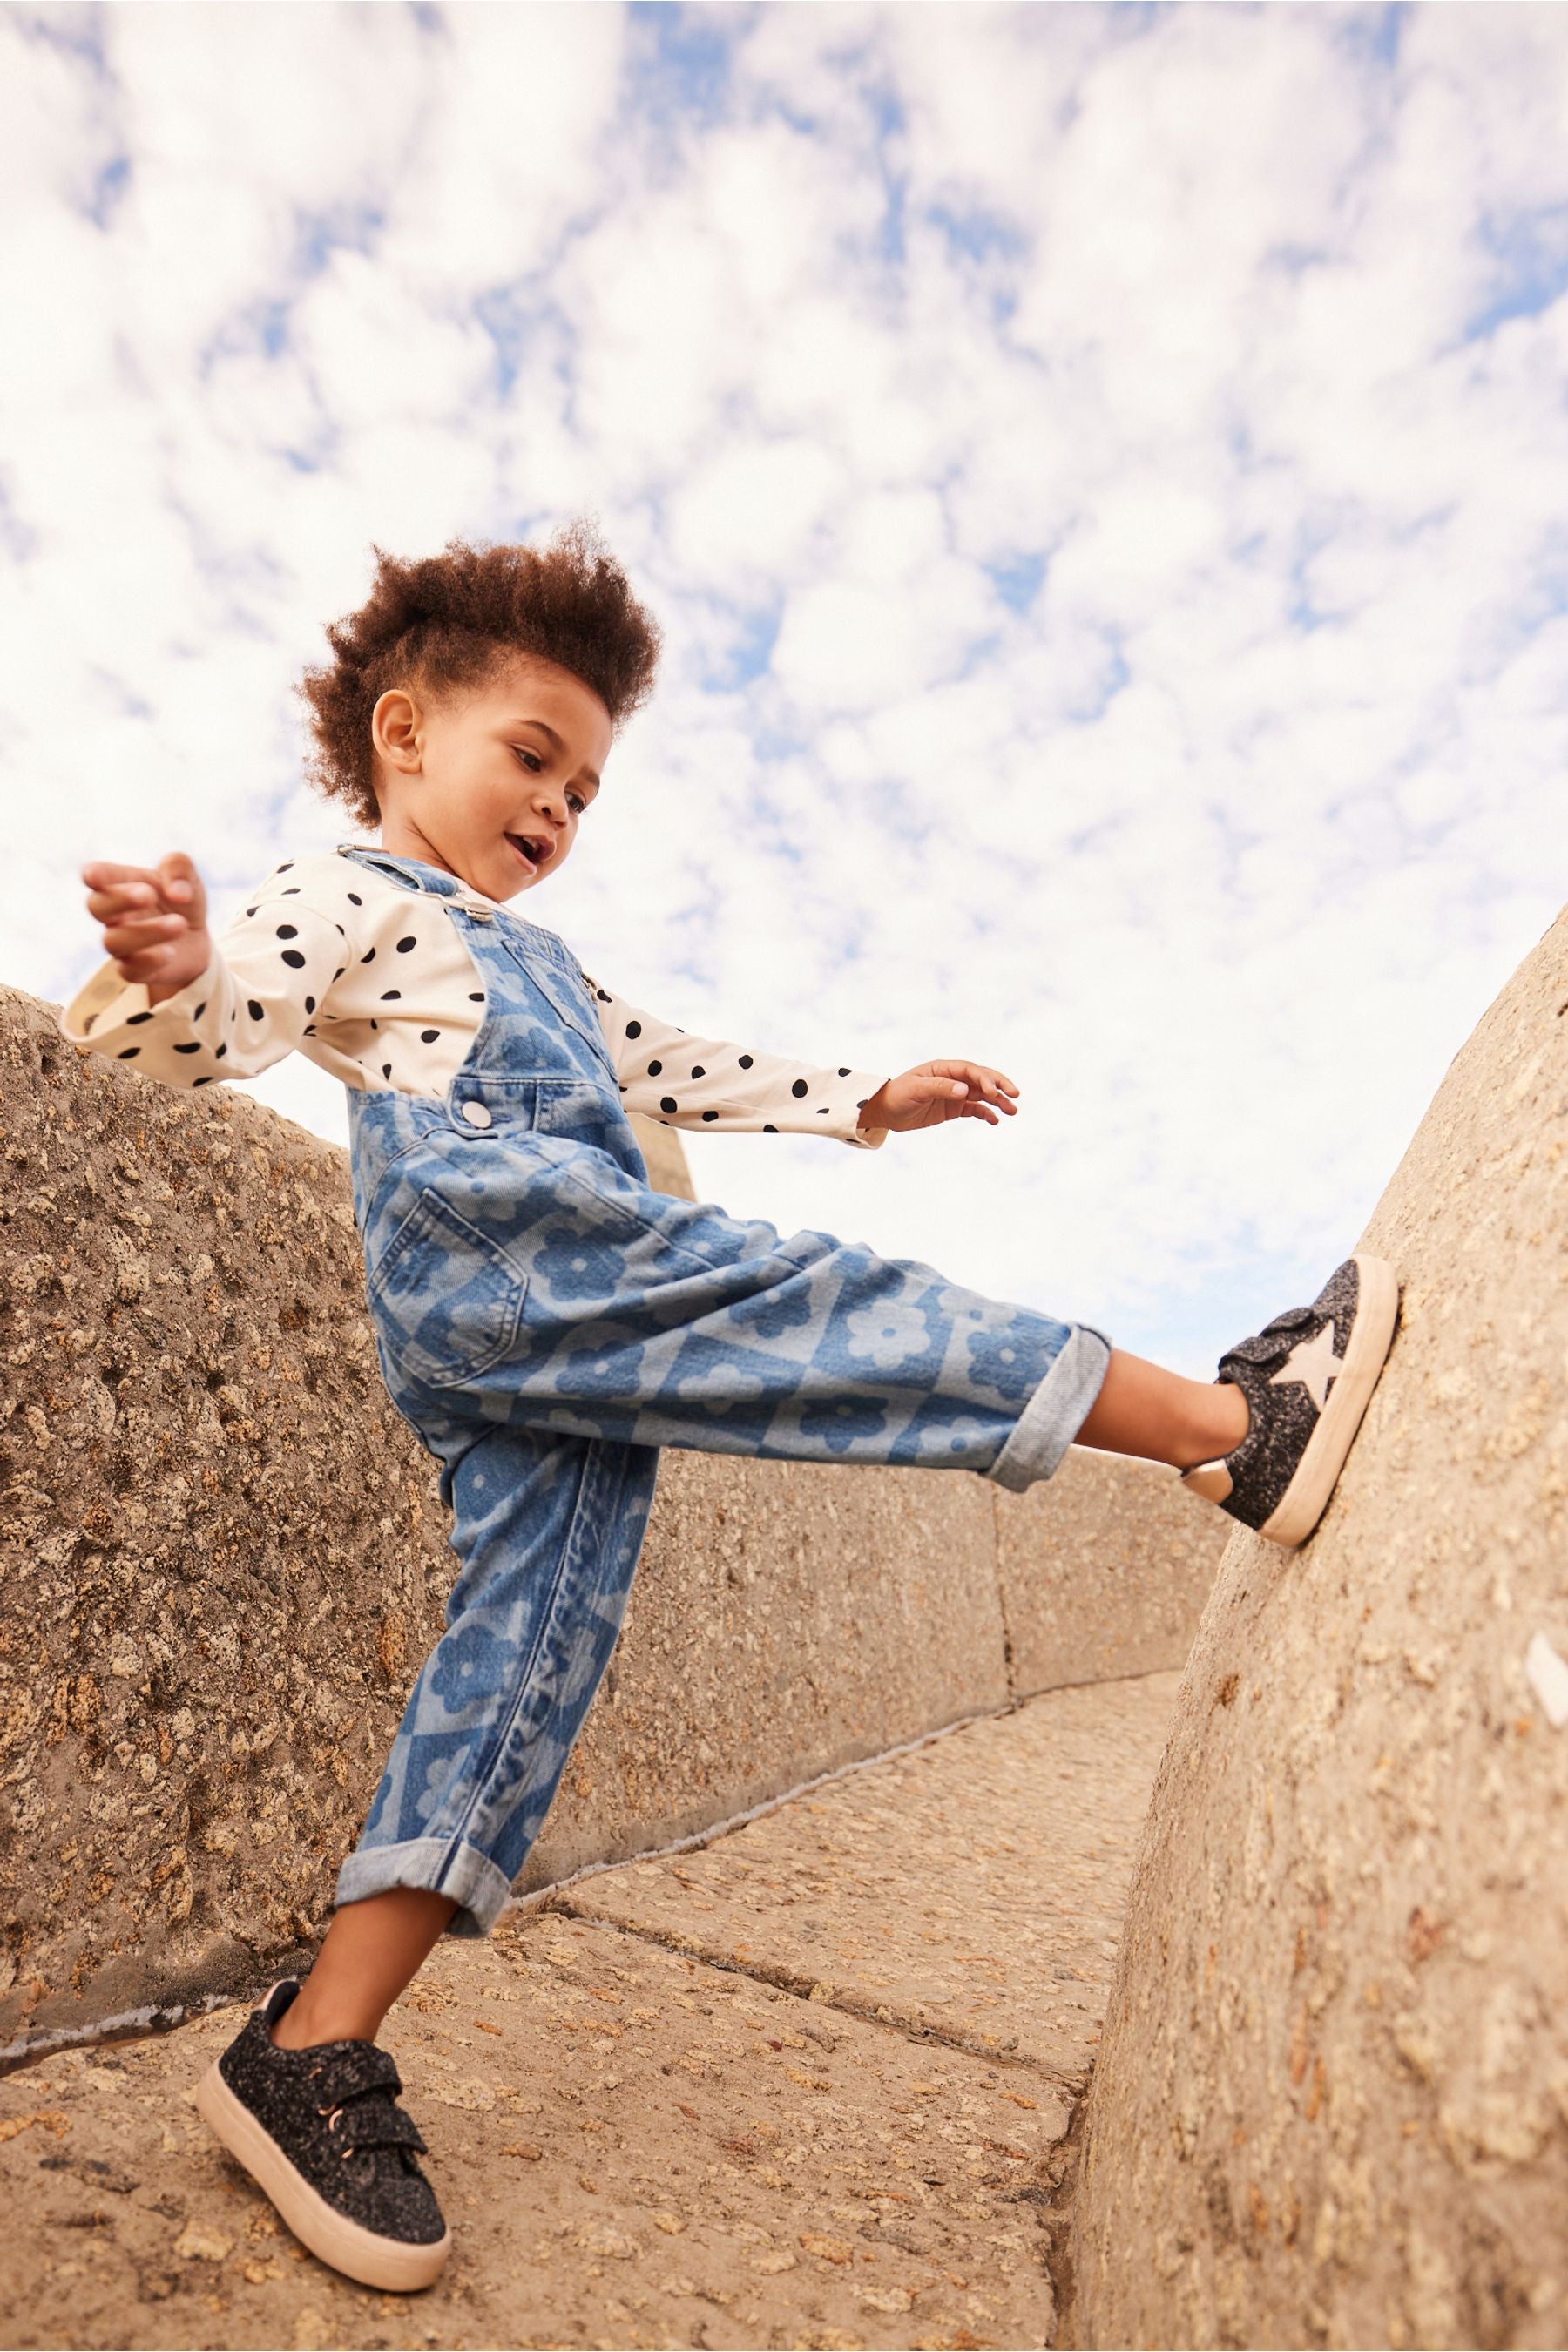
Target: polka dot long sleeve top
(374,984)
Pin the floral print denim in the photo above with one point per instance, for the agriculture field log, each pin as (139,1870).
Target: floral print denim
(546,1322)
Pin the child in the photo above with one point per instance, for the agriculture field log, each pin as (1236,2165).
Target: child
(546,1322)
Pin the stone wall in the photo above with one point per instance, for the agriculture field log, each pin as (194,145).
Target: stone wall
(1332,2104)
(224,1557)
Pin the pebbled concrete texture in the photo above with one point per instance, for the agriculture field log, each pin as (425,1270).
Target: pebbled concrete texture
(1333,2103)
(644,2135)
(787,1618)
(223,1556)
(1103,1572)
(1014,1831)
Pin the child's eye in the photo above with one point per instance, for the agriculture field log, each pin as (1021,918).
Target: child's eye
(575,801)
(531,760)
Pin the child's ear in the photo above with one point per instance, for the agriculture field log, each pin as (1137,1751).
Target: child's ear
(397,730)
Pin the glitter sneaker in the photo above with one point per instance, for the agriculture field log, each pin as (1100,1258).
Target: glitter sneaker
(1308,1378)
(319,2131)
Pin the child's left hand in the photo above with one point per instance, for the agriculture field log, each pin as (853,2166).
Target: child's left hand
(935,1092)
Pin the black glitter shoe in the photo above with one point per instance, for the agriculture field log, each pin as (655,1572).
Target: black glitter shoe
(1308,1378)
(319,2131)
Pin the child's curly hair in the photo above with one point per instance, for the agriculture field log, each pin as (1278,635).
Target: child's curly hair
(450,620)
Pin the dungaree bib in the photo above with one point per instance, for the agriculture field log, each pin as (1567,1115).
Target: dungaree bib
(546,1322)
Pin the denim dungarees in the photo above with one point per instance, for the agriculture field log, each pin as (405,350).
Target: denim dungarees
(546,1322)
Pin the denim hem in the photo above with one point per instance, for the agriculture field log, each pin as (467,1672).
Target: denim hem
(462,1872)
(1055,1412)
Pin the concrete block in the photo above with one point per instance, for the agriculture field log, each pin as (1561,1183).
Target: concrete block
(1104,1571)
(1334,2086)
(972,1890)
(787,1617)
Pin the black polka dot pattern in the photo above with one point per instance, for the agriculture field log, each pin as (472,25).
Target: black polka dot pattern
(440,1011)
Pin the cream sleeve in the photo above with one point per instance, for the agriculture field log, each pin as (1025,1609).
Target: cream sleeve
(704,1082)
(270,971)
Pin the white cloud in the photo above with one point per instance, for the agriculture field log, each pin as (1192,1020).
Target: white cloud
(1098,472)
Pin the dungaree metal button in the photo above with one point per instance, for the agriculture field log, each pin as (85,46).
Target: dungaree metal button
(476,1113)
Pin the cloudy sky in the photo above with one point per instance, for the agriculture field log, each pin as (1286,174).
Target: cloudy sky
(1103,472)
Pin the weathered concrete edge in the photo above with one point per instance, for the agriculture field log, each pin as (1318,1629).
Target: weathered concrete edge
(787,1620)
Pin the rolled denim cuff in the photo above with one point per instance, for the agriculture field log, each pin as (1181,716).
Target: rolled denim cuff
(1056,1412)
(462,1872)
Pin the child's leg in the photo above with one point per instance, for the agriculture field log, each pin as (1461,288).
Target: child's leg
(547,1530)
(631,1316)
(1143,1410)
(371,1952)
(555,1292)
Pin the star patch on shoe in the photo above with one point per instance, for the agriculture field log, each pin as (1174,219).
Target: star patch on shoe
(1308,1378)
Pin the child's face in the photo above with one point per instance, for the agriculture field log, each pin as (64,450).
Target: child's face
(491,782)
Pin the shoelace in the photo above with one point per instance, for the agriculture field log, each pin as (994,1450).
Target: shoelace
(357,2093)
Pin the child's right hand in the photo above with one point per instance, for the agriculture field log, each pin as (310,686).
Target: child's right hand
(154,922)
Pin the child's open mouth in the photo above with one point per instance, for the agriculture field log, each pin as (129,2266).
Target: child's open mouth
(533,850)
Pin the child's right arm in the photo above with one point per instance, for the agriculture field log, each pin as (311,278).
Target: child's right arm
(170,1000)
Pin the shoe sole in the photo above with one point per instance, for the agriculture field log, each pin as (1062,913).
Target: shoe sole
(1306,1498)
(387,2263)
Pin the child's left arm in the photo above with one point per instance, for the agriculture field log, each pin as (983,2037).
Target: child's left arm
(705,1082)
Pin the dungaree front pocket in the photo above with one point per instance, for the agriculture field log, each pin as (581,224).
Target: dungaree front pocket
(447,1297)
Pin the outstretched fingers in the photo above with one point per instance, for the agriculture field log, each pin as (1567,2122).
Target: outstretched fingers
(986,1092)
(141,912)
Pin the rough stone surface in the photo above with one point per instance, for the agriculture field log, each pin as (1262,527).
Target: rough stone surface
(1333,2103)
(631,2148)
(972,1889)
(636,2146)
(1104,1572)
(222,1552)
(786,1618)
